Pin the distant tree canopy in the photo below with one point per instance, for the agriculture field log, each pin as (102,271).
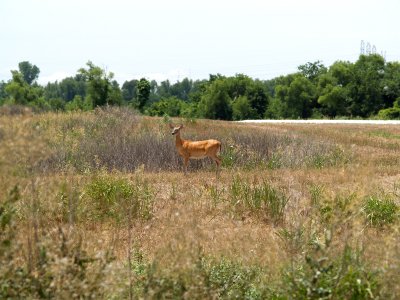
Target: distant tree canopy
(101,89)
(29,72)
(369,87)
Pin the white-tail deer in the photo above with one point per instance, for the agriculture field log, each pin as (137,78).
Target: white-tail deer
(196,149)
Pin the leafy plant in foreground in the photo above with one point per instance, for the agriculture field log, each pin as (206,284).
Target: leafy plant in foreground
(380,211)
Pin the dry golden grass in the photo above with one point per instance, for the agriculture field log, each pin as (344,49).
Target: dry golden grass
(192,213)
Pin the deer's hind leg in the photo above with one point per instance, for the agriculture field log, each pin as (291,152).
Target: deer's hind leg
(218,162)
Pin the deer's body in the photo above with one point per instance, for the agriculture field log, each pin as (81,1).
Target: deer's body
(196,149)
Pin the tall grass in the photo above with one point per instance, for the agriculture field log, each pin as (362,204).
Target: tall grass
(99,214)
(121,140)
(110,196)
(61,268)
(264,200)
(203,278)
(381,210)
(276,151)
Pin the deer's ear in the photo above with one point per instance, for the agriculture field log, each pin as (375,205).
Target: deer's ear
(181,126)
(171,126)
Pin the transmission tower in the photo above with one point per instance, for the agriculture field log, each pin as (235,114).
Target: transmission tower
(362,48)
(383,54)
(368,51)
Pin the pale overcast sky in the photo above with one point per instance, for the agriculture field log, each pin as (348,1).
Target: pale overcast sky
(176,38)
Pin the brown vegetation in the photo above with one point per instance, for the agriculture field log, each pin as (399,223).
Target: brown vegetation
(299,211)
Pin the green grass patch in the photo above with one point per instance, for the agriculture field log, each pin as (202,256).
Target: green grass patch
(262,199)
(110,196)
(384,134)
(204,278)
(380,210)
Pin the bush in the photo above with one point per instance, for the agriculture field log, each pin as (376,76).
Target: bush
(390,113)
(263,149)
(241,109)
(109,196)
(323,277)
(78,103)
(262,200)
(205,278)
(173,107)
(118,139)
(57,268)
(15,109)
(380,211)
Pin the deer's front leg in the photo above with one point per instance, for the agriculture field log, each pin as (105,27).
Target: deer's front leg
(185,163)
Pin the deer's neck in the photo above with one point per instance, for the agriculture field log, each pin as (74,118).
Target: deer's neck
(178,140)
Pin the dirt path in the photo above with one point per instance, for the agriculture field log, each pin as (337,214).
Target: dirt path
(366,122)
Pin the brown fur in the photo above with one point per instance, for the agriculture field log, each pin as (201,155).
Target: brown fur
(196,149)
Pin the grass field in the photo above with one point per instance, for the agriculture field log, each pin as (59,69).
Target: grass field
(96,205)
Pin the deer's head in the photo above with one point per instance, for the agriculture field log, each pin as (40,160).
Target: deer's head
(175,129)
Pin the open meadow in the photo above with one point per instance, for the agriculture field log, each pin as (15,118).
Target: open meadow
(95,204)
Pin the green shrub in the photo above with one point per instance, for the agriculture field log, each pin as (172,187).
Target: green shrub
(172,106)
(78,103)
(110,196)
(323,276)
(275,162)
(334,157)
(391,112)
(57,267)
(232,280)
(69,198)
(205,278)
(229,156)
(380,211)
(263,200)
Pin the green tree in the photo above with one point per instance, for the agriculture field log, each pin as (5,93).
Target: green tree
(78,103)
(164,90)
(52,90)
(99,83)
(312,70)
(391,83)
(334,89)
(143,92)
(342,71)
(172,107)
(296,96)
(301,98)
(215,102)
(115,94)
(392,112)
(241,109)
(3,94)
(238,85)
(198,89)
(258,98)
(334,98)
(73,86)
(276,109)
(29,72)
(20,91)
(182,89)
(241,85)
(129,90)
(366,89)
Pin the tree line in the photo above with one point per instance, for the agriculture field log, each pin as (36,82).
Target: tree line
(367,88)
